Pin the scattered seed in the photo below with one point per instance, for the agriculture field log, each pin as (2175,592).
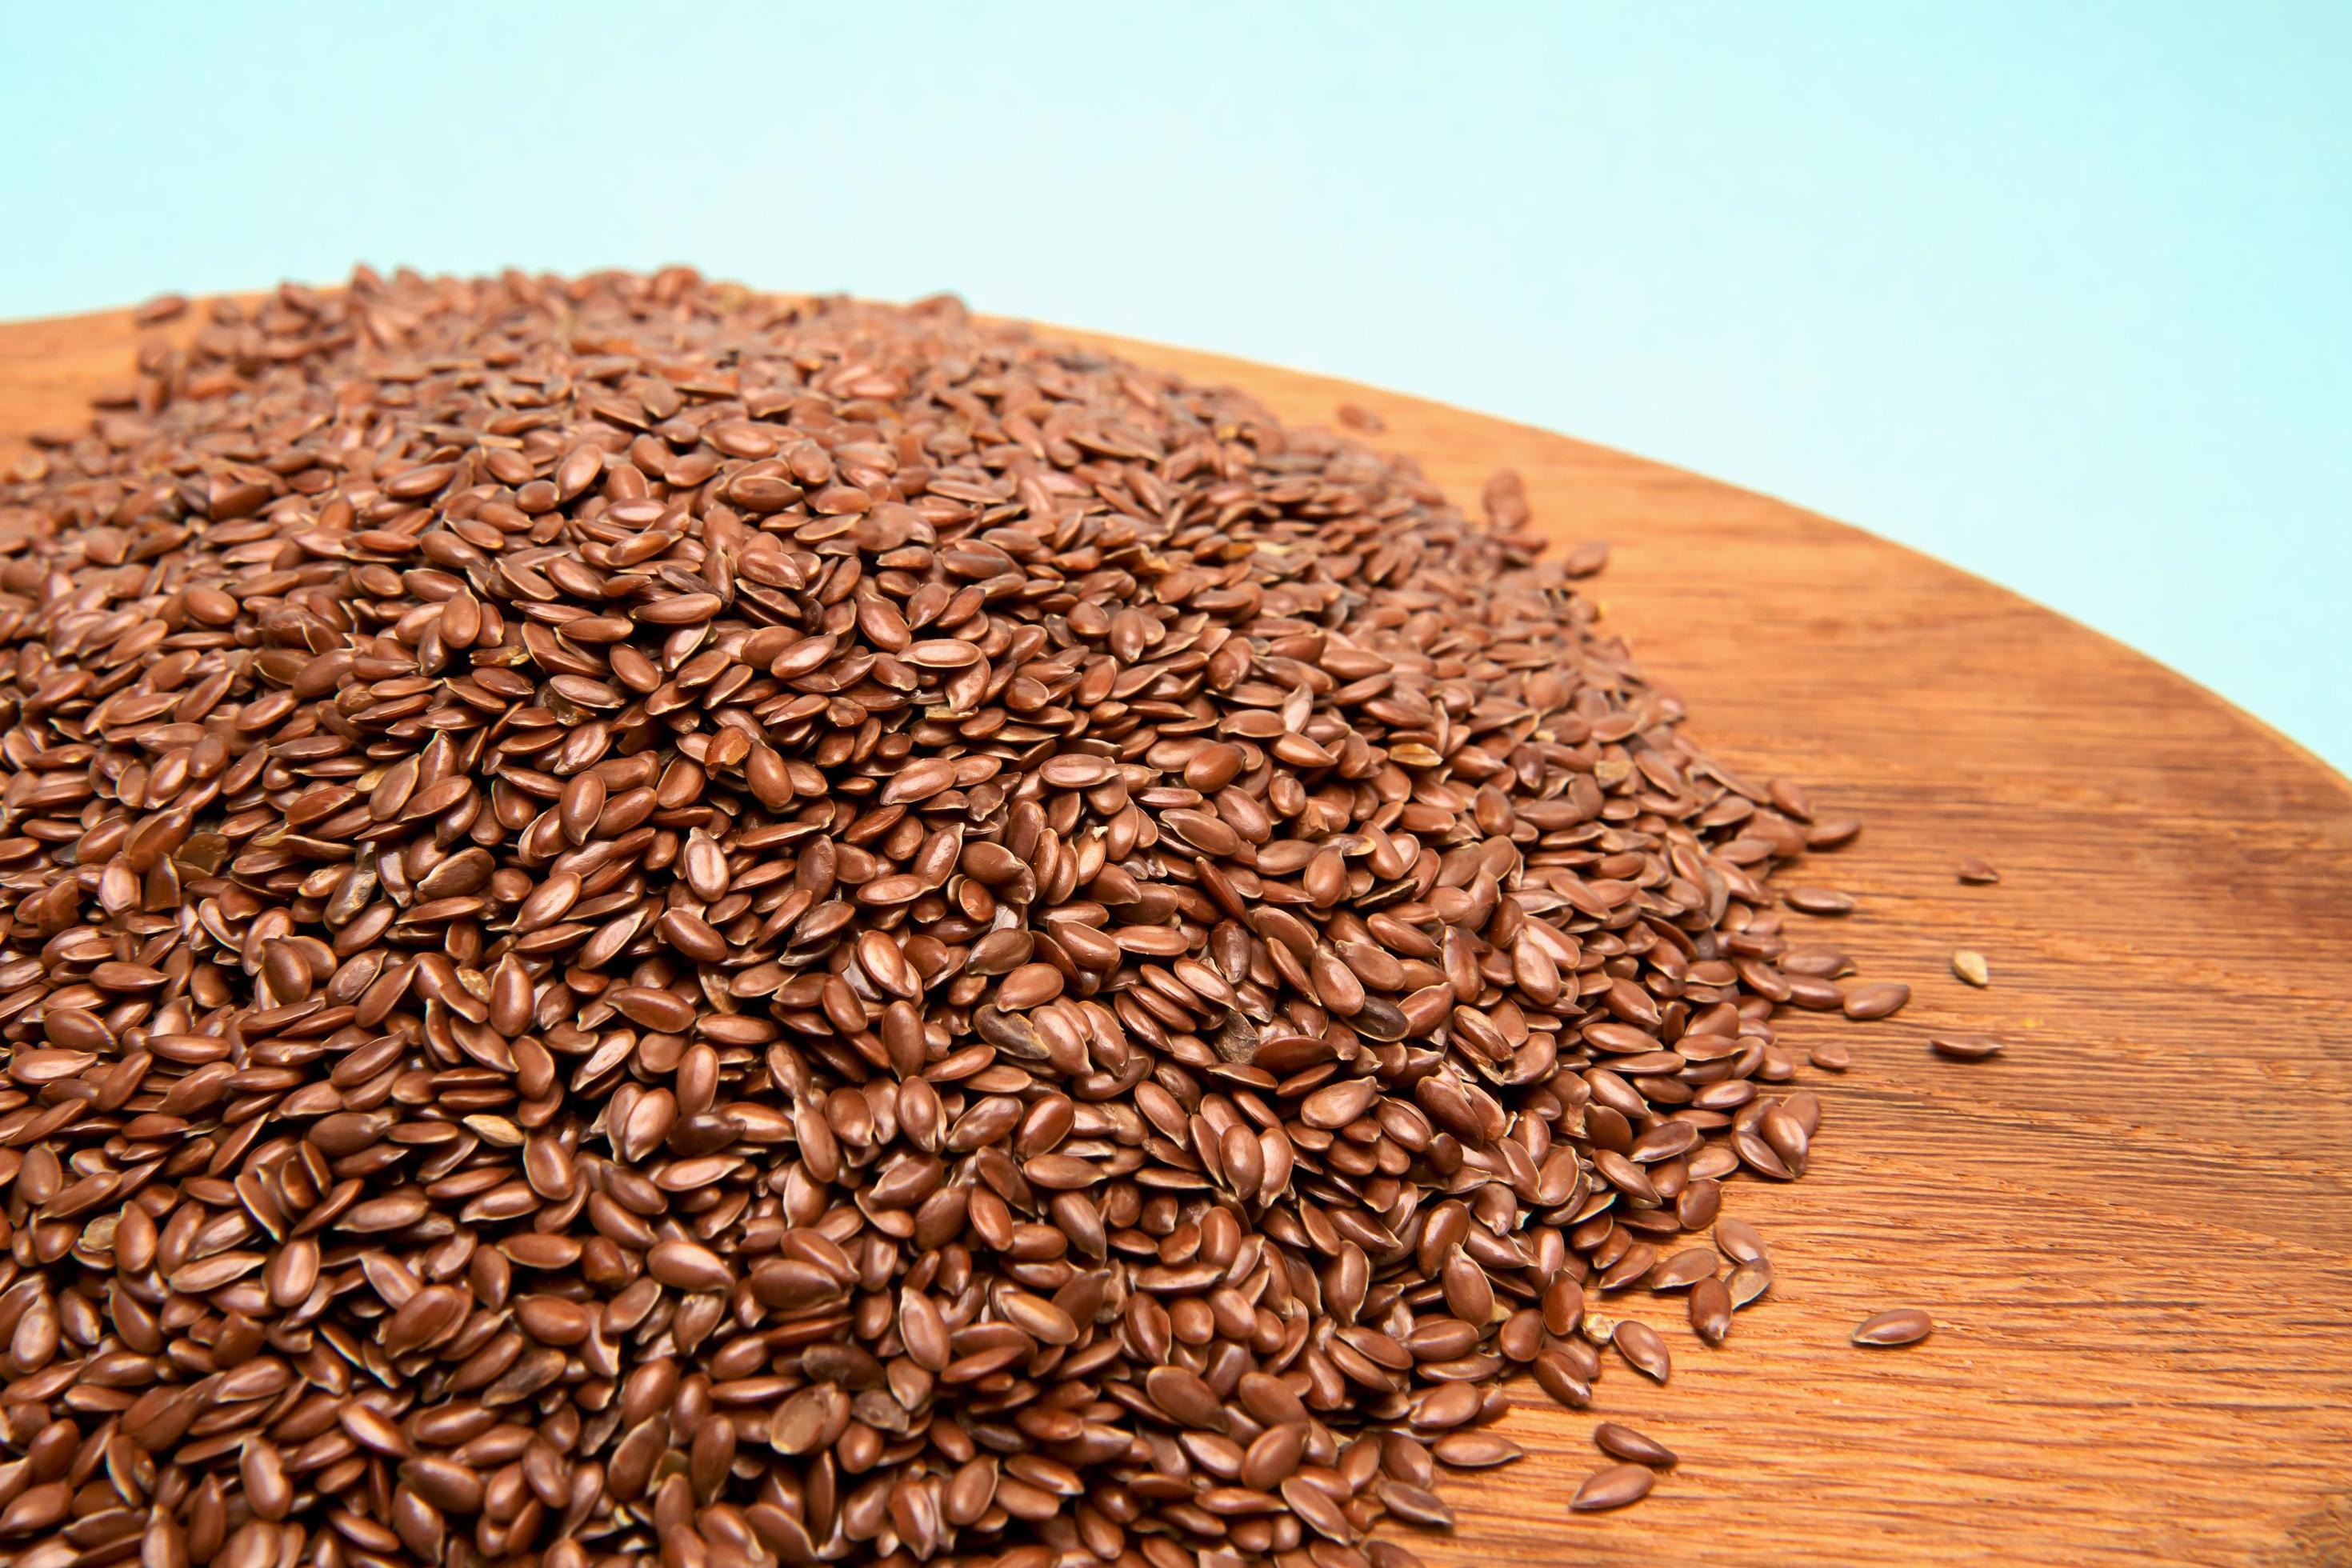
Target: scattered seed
(1687,1267)
(1748,1281)
(1739,1240)
(1613,1486)
(1624,1443)
(1897,1326)
(1643,1350)
(1475,1450)
(1964,1047)
(1711,1307)
(1974,871)
(1559,1377)
(1971,967)
(161,309)
(1878,999)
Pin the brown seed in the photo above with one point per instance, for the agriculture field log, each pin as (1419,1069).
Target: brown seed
(1416,1505)
(1624,1443)
(654,1009)
(1896,1326)
(1213,767)
(1273,1455)
(1184,1397)
(1710,1310)
(1336,1105)
(372,1429)
(809,1420)
(1317,1509)
(581,804)
(1560,1378)
(1643,1350)
(1624,1175)
(547,902)
(1077,769)
(292,1271)
(684,1266)
(924,1331)
(1964,1047)
(1739,1240)
(1977,871)
(1475,1450)
(1521,1335)
(1031,985)
(1468,1294)
(968,1492)
(267,1487)
(1613,1486)
(1748,1281)
(1876,1000)
(827,922)
(35,1508)
(1687,1267)
(1832,832)
(1448,1405)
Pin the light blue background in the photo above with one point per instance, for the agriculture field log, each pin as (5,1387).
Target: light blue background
(2056,292)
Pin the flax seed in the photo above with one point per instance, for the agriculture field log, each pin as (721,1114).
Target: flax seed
(1614,1487)
(1897,1326)
(649,906)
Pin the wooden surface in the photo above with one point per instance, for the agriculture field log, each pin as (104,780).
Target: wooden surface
(2134,1230)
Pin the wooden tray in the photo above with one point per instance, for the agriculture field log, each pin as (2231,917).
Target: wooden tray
(2134,1230)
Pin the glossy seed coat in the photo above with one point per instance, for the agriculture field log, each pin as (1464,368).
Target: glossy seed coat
(649,921)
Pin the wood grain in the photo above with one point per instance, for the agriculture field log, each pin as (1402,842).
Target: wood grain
(2134,1230)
